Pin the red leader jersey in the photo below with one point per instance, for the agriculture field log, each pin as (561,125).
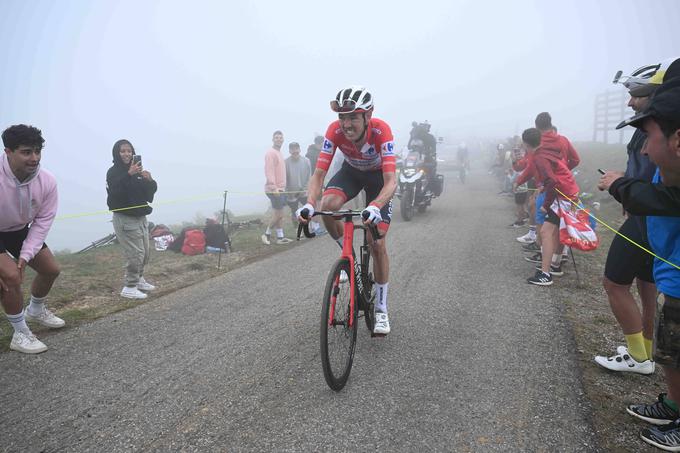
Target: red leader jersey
(377,153)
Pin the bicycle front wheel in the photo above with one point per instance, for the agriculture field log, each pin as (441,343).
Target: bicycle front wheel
(338,327)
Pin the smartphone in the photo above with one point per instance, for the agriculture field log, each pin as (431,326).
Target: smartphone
(137,159)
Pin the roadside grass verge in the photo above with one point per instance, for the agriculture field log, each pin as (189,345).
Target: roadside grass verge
(90,283)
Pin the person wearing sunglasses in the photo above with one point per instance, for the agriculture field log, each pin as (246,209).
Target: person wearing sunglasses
(369,164)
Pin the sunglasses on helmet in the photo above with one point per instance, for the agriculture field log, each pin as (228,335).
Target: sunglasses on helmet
(347,106)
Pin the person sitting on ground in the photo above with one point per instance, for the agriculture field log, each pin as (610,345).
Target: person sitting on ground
(216,238)
(298,173)
(129,189)
(28,205)
(274,187)
(627,263)
(660,202)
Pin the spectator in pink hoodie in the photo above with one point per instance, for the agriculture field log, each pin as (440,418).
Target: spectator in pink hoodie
(28,205)
(274,187)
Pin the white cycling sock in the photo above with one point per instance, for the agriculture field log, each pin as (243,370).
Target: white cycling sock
(381,297)
(279,233)
(37,304)
(268,231)
(19,323)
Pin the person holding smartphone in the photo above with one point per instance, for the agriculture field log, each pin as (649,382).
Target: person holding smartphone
(129,189)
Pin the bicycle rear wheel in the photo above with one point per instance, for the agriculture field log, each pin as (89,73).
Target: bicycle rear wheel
(338,337)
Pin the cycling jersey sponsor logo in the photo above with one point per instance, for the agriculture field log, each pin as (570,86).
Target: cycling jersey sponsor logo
(377,131)
(388,149)
(369,151)
(327,145)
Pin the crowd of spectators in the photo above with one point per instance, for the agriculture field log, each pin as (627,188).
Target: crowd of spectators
(646,249)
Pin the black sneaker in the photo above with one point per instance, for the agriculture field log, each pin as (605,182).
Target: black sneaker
(533,248)
(666,437)
(554,270)
(657,413)
(535,258)
(541,279)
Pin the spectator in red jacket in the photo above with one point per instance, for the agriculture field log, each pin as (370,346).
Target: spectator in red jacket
(550,171)
(551,139)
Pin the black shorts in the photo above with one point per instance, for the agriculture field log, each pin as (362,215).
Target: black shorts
(521,197)
(626,261)
(348,182)
(666,350)
(294,200)
(12,241)
(278,201)
(552,217)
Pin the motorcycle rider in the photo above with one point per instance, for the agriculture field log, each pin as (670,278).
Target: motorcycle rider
(428,151)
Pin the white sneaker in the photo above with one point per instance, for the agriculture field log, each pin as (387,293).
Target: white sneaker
(282,241)
(622,361)
(46,318)
(143,285)
(132,293)
(382,323)
(527,238)
(265,239)
(27,343)
(344,278)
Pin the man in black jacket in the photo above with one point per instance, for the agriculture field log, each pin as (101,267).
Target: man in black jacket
(130,188)
(660,202)
(626,262)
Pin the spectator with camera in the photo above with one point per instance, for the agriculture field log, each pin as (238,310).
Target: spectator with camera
(28,205)
(129,189)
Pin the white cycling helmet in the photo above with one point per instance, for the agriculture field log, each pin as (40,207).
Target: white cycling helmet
(352,99)
(644,80)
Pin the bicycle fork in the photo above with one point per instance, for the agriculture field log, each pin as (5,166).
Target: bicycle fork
(348,254)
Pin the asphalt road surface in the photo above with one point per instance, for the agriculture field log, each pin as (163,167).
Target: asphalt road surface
(477,360)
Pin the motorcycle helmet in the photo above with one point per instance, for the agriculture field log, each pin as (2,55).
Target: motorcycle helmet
(352,99)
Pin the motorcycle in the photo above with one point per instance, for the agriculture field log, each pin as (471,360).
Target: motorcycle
(415,188)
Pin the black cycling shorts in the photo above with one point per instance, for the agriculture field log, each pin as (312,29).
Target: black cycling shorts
(626,261)
(348,182)
(12,241)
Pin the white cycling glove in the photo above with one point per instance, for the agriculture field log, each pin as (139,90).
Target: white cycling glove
(307,206)
(373,214)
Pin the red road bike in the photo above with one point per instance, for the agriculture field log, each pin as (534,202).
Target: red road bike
(344,297)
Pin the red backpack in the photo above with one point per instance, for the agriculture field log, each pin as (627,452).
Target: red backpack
(194,242)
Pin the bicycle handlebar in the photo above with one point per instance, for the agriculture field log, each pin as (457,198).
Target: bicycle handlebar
(304,227)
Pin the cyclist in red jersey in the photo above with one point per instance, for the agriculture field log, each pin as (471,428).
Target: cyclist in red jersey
(370,165)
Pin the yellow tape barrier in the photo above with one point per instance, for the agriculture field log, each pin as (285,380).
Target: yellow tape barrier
(159,203)
(616,232)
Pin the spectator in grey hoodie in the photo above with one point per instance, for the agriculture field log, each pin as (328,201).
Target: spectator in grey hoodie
(298,171)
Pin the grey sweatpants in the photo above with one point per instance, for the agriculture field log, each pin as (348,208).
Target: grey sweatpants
(133,236)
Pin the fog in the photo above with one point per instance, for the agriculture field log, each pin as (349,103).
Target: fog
(199,87)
